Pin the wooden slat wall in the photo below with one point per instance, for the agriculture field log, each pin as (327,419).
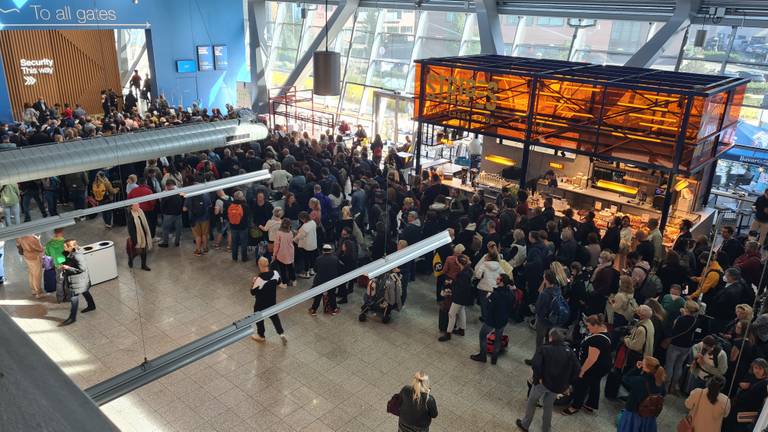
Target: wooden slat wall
(85,62)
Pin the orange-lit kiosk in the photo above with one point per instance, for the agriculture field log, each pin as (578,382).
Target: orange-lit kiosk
(634,133)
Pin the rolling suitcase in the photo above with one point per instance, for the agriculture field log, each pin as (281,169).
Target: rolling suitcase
(49,277)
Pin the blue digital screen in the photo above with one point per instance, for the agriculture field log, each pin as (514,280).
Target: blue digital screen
(186,66)
(204,58)
(220,56)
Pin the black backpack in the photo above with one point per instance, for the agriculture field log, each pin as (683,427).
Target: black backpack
(197,205)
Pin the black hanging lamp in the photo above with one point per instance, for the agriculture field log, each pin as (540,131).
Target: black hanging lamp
(326,68)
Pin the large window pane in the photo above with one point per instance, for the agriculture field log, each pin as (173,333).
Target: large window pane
(395,46)
(548,38)
(444,25)
(389,75)
(757,87)
(750,46)
(428,47)
(715,43)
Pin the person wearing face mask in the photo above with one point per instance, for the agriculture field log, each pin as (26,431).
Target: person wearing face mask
(75,276)
(721,305)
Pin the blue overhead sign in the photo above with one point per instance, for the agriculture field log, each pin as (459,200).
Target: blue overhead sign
(204,58)
(71,14)
(221,57)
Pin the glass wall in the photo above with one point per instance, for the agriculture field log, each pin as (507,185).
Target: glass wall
(378,47)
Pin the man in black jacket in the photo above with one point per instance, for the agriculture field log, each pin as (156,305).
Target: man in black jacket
(722,306)
(264,288)
(327,267)
(170,208)
(731,246)
(555,367)
(500,304)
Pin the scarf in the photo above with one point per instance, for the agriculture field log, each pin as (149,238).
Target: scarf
(143,236)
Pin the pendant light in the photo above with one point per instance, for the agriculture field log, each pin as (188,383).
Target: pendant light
(327,68)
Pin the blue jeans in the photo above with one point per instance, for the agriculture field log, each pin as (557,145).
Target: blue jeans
(12,214)
(26,198)
(75,300)
(171,223)
(2,269)
(107,217)
(51,198)
(484,331)
(674,363)
(239,243)
(78,199)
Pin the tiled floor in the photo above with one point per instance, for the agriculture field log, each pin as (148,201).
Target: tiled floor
(335,374)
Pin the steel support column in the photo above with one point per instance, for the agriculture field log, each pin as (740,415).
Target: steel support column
(344,10)
(36,395)
(489,27)
(651,50)
(257,12)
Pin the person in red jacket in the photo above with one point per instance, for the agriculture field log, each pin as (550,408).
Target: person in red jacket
(749,263)
(147,207)
(206,165)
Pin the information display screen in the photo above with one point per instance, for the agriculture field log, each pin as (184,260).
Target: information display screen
(220,57)
(185,66)
(204,58)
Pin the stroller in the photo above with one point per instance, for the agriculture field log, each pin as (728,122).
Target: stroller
(383,295)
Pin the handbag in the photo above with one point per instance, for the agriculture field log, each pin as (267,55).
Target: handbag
(686,423)
(130,249)
(746,417)
(393,406)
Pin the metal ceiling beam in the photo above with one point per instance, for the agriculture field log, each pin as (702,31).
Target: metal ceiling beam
(335,23)
(653,48)
(159,367)
(36,162)
(257,25)
(489,27)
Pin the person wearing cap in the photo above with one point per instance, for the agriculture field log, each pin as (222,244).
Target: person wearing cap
(710,276)
(327,267)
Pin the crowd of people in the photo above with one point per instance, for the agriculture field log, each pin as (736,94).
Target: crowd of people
(610,306)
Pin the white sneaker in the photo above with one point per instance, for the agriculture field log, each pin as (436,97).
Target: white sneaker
(282,285)
(258,338)
(284,339)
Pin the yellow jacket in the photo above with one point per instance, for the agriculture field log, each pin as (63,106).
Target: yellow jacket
(101,187)
(711,275)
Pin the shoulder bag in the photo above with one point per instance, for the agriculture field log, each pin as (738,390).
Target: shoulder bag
(393,406)
(686,424)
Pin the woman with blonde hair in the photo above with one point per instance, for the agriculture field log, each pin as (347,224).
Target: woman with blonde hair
(646,380)
(417,405)
(621,306)
(560,273)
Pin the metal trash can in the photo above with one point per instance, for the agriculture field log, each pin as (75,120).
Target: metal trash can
(101,261)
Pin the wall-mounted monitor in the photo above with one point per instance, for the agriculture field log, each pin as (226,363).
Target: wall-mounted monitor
(220,57)
(186,66)
(204,58)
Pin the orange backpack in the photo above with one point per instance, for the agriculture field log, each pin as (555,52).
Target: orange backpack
(235,213)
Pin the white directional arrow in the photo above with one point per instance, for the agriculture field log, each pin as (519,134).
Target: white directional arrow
(29,80)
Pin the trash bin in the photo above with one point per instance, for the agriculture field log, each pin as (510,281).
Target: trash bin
(101,261)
